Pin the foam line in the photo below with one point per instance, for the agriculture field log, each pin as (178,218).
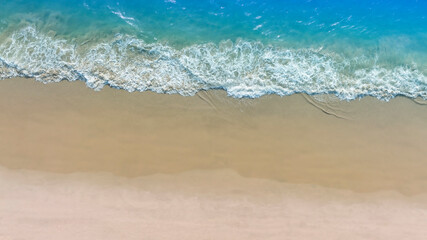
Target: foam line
(245,69)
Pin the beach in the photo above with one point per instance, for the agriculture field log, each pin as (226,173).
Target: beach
(207,120)
(209,166)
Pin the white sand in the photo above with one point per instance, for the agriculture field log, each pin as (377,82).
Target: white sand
(197,205)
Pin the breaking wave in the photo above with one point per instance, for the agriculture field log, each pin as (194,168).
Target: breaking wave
(242,68)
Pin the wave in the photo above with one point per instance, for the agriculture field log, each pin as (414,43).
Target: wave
(242,68)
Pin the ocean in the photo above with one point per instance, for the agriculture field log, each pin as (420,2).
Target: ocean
(249,48)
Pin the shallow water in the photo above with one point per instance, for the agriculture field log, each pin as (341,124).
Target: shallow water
(248,48)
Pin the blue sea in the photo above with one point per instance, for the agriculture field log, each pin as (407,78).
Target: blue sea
(249,48)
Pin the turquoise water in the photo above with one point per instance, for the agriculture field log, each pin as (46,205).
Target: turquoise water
(248,48)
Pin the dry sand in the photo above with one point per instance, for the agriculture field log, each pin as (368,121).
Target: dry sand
(204,204)
(296,167)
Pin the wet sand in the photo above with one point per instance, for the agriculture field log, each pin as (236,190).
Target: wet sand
(322,167)
(67,127)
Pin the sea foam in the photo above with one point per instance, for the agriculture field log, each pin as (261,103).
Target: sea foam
(242,68)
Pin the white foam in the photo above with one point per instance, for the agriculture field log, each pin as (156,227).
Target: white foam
(120,14)
(242,68)
(257,27)
(128,20)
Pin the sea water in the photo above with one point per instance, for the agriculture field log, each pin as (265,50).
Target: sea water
(249,48)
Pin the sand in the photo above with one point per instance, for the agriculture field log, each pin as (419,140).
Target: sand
(197,205)
(135,165)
